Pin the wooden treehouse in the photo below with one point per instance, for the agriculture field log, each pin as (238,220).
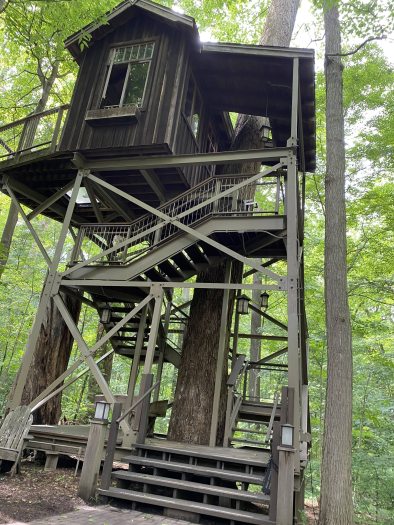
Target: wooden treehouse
(139,172)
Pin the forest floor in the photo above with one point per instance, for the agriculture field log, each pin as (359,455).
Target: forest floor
(36,494)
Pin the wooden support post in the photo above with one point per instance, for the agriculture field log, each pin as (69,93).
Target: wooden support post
(274,473)
(143,409)
(220,359)
(284,514)
(51,460)
(162,349)
(111,447)
(16,397)
(92,460)
(137,358)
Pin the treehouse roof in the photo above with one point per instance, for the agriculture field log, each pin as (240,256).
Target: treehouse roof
(249,79)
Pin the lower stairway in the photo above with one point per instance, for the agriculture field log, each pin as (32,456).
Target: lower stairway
(253,425)
(207,485)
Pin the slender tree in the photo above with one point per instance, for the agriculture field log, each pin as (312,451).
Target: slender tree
(196,378)
(336,477)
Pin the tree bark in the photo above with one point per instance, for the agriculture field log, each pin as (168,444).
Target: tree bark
(50,359)
(192,410)
(336,482)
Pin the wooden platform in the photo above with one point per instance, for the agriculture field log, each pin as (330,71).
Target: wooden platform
(71,440)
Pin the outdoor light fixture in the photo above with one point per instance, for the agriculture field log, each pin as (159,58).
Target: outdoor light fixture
(101,410)
(105,315)
(266,131)
(243,304)
(264,300)
(287,435)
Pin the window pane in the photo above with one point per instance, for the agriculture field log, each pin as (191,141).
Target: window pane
(136,84)
(134,53)
(149,50)
(115,85)
(141,52)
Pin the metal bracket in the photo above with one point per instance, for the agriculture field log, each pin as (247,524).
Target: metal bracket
(282,285)
(156,290)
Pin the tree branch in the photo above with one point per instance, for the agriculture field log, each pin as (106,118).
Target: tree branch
(370,39)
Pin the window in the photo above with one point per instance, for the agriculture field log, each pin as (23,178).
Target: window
(127,75)
(211,147)
(193,106)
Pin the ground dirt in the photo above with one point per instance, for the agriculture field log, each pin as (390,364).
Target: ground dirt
(36,494)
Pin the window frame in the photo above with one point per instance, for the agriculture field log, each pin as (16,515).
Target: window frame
(111,62)
(196,96)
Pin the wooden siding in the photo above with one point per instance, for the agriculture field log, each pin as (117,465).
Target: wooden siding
(161,120)
(150,127)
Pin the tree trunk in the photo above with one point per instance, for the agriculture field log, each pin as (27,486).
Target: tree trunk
(50,359)
(6,237)
(192,410)
(336,482)
(196,375)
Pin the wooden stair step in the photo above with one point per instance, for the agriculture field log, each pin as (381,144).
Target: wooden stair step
(250,442)
(208,472)
(188,506)
(206,452)
(244,495)
(249,431)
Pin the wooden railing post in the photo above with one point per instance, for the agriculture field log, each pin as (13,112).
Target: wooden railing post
(57,129)
(111,447)
(143,417)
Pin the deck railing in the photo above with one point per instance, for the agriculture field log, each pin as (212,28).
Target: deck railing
(264,197)
(34,132)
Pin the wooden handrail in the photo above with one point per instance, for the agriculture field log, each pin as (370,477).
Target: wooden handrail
(33,116)
(135,405)
(237,368)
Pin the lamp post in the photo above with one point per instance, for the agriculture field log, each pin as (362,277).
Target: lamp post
(285,476)
(94,451)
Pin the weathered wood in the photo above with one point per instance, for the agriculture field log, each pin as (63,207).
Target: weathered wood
(111,446)
(13,432)
(92,460)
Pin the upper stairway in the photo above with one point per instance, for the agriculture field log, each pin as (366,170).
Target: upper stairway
(186,234)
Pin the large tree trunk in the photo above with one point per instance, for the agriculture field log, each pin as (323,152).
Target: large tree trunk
(192,410)
(50,359)
(336,482)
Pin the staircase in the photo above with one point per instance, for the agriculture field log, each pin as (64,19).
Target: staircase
(201,484)
(254,422)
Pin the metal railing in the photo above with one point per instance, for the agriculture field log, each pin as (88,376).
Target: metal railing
(264,197)
(34,132)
